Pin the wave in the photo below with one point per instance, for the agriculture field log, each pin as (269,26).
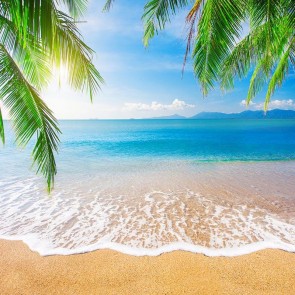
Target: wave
(77,219)
(45,250)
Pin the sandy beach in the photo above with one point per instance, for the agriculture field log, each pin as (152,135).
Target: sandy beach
(108,272)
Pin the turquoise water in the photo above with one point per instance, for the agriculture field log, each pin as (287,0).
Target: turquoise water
(97,141)
(198,140)
(144,187)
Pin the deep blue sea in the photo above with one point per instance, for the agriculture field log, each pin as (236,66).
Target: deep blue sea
(144,187)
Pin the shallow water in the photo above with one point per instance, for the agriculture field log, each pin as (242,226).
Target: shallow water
(219,187)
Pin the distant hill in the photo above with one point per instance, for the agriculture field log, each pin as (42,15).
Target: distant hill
(273,114)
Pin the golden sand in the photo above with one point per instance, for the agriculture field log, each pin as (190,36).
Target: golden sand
(109,272)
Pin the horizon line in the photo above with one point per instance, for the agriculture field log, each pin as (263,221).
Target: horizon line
(165,117)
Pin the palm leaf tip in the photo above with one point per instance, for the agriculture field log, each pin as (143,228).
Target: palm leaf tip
(157,14)
(108,5)
(2,134)
(279,73)
(76,7)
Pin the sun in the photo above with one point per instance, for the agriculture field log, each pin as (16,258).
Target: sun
(61,74)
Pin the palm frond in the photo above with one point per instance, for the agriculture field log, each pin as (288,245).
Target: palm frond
(75,55)
(267,12)
(237,63)
(76,7)
(251,50)
(34,35)
(246,53)
(257,81)
(34,17)
(34,63)
(157,14)
(292,54)
(264,11)
(108,5)
(2,134)
(30,116)
(278,75)
(30,56)
(289,6)
(7,33)
(191,22)
(218,28)
(215,27)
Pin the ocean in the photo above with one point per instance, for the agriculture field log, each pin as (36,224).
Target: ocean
(144,187)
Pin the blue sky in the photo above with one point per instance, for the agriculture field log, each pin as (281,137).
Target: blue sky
(146,82)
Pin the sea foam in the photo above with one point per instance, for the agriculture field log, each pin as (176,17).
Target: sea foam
(77,220)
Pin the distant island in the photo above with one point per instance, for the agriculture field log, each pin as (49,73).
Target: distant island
(272,114)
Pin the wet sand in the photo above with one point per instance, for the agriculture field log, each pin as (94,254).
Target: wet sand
(108,272)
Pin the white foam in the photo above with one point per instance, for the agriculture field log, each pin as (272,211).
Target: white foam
(45,249)
(73,221)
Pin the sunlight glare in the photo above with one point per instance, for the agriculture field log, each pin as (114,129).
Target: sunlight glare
(61,74)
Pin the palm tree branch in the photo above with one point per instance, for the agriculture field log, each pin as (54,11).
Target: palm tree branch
(237,63)
(219,25)
(2,134)
(191,22)
(108,5)
(267,13)
(36,16)
(76,7)
(257,81)
(30,115)
(157,14)
(76,56)
(30,56)
(279,73)
(251,49)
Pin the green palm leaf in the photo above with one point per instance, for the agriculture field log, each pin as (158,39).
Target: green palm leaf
(218,56)
(279,74)
(250,52)
(2,134)
(34,36)
(257,81)
(30,56)
(218,28)
(108,5)
(191,22)
(30,115)
(267,12)
(157,14)
(75,55)
(237,63)
(76,7)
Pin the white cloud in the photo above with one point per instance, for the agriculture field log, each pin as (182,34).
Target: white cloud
(244,103)
(274,104)
(156,106)
(285,103)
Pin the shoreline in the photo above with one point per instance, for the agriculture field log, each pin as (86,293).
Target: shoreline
(40,248)
(110,272)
